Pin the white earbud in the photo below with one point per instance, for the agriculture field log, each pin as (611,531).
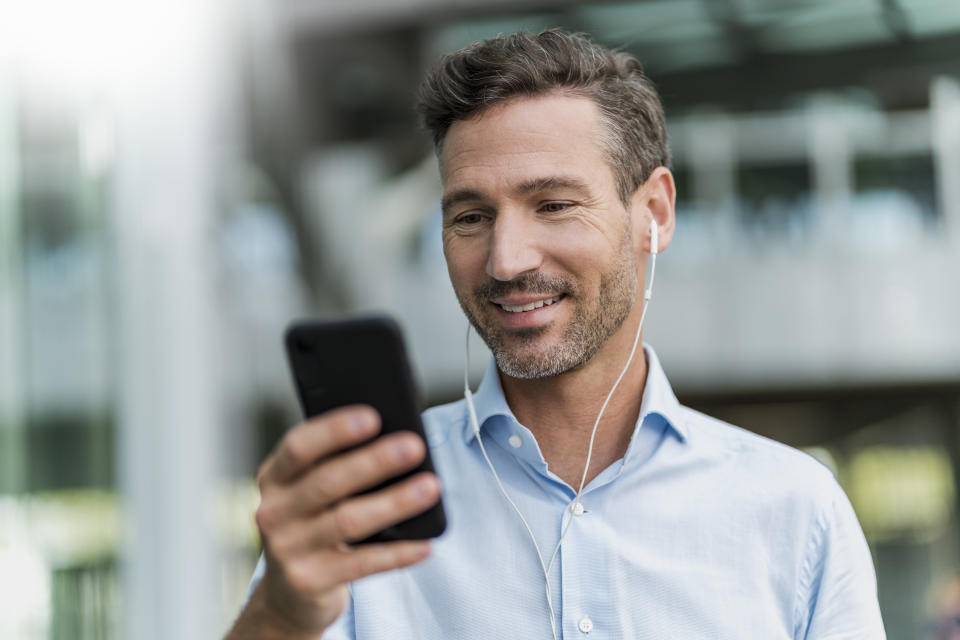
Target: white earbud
(654,249)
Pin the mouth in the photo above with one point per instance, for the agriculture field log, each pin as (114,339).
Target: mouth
(521,307)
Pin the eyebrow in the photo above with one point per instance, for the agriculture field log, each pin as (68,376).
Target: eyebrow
(458,196)
(551,182)
(527,187)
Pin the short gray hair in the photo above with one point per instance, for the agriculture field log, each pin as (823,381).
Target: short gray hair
(467,81)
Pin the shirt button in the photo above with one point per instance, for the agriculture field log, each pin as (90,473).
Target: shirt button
(577,509)
(585,625)
(515,441)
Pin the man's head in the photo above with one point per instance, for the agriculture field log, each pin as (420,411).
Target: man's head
(551,153)
(525,65)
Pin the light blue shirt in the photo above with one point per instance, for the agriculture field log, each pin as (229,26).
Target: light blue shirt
(701,531)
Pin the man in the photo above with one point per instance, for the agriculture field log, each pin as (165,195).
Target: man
(554,161)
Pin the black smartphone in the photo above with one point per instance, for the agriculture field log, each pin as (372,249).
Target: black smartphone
(363,361)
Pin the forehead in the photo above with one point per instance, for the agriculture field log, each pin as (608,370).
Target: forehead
(525,139)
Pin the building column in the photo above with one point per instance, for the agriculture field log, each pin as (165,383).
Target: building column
(945,129)
(172,132)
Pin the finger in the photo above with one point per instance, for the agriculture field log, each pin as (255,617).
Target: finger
(350,473)
(360,517)
(317,438)
(330,567)
(362,561)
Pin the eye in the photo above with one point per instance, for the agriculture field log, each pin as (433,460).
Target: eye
(470,218)
(554,207)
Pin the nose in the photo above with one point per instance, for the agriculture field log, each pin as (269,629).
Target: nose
(514,248)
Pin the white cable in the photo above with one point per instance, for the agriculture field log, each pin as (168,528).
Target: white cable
(468,395)
(648,292)
(586,467)
(476,429)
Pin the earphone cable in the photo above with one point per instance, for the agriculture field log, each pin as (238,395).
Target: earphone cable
(468,396)
(476,429)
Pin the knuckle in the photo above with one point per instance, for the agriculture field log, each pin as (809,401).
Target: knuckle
(262,482)
(325,486)
(265,516)
(294,447)
(272,510)
(346,523)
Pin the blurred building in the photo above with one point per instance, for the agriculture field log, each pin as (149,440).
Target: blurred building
(176,187)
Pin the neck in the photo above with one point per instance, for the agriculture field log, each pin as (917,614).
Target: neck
(561,410)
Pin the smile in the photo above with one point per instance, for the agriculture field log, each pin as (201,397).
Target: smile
(530,306)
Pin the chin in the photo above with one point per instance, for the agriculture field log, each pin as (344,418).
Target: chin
(532,364)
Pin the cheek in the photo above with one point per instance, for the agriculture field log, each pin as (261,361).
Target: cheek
(581,257)
(465,264)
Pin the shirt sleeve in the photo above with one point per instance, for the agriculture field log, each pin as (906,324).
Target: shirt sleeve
(255,578)
(837,599)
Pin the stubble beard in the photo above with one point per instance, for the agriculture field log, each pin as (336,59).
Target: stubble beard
(517,353)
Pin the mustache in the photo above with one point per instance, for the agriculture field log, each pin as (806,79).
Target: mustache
(525,283)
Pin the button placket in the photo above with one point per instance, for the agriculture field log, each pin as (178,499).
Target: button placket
(575,562)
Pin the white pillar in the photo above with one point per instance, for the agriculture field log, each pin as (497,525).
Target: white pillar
(945,129)
(172,130)
(712,156)
(832,168)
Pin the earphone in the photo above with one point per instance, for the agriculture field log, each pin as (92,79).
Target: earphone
(654,235)
(575,506)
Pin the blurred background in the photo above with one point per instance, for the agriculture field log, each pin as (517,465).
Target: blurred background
(179,180)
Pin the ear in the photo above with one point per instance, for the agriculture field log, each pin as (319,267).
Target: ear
(656,199)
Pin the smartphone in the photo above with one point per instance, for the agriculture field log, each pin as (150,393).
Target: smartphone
(363,361)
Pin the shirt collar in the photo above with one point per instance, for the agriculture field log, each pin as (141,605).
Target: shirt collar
(488,401)
(658,399)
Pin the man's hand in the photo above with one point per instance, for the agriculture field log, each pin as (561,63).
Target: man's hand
(309,514)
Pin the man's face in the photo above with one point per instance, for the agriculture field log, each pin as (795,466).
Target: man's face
(539,247)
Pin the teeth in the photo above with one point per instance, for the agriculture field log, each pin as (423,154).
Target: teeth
(529,307)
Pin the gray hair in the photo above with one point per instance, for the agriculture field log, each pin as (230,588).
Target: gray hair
(467,81)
